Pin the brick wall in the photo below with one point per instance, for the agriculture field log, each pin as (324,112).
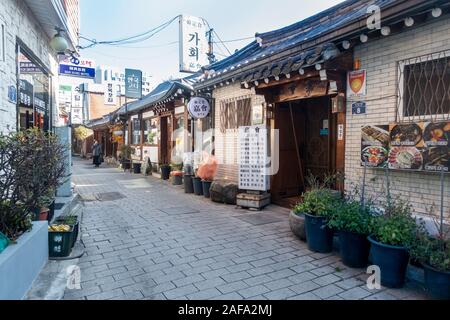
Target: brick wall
(226,144)
(379,58)
(19,22)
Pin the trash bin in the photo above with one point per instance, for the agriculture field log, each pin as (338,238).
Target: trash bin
(137,168)
(60,243)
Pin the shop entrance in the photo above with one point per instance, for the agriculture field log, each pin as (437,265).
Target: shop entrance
(307,145)
(166,140)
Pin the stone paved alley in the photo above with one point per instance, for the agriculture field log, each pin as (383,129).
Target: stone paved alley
(146,239)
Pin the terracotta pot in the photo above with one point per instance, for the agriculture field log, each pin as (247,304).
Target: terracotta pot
(43,215)
(297,224)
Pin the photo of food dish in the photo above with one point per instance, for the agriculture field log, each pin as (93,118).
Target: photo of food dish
(406,135)
(437,158)
(437,134)
(375,135)
(405,158)
(374,156)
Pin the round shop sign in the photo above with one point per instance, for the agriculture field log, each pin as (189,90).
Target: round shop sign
(198,108)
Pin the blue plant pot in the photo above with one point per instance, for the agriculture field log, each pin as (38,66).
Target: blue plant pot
(437,283)
(354,249)
(318,235)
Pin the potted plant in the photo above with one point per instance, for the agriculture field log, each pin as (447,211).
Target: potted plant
(206,172)
(297,222)
(188,179)
(352,222)
(317,206)
(165,171)
(198,185)
(433,252)
(177,177)
(126,152)
(393,232)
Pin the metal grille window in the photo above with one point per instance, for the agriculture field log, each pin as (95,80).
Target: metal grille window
(424,88)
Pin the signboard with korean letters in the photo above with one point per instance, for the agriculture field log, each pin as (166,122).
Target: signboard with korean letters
(77,67)
(253,159)
(193,44)
(110,97)
(133,83)
(421,146)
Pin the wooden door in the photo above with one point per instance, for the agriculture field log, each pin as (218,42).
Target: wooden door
(165,146)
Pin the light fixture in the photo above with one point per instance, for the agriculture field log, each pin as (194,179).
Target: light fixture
(436,12)
(246,85)
(385,31)
(364,38)
(346,44)
(409,22)
(318,66)
(266,80)
(288,75)
(256,83)
(59,43)
(301,71)
(277,78)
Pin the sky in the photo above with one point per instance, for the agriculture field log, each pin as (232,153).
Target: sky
(106,20)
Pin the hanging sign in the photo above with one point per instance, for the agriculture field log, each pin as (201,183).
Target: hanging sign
(76,67)
(109,95)
(199,108)
(253,159)
(356,84)
(133,83)
(194,45)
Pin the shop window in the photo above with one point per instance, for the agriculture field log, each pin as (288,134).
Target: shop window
(235,114)
(151,131)
(136,132)
(424,84)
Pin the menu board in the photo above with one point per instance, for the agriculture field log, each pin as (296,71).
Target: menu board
(252,157)
(422,146)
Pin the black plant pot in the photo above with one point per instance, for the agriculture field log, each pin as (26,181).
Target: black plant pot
(188,183)
(318,236)
(198,186)
(137,168)
(165,172)
(354,249)
(206,188)
(177,180)
(437,283)
(126,165)
(392,260)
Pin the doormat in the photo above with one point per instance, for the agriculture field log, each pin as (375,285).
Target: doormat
(109,196)
(259,219)
(179,210)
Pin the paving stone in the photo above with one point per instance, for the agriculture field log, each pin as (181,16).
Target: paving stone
(236,276)
(209,283)
(304,287)
(280,294)
(253,291)
(355,294)
(305,296)
(188,280)
(233,286)
(349,283)
(326,280)
(278,284)
(327,291)
(204,294)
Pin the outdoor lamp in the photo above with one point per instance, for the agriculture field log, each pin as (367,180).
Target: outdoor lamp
(59,43)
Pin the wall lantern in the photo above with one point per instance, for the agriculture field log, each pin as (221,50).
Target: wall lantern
(385,31)
(364,38)
(346,44)
(436,12)
(59,43)
(409,22)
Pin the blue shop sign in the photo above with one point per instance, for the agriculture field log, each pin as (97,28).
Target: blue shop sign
(76,71)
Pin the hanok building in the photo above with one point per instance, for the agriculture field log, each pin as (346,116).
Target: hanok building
(298,77)
(160,128)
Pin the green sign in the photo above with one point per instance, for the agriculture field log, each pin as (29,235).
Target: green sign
(133,83)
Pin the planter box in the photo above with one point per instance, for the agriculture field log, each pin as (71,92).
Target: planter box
(21,263)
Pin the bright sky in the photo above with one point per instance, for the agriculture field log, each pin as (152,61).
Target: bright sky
(158,56)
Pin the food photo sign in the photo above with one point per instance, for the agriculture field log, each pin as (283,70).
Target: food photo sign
(422,146)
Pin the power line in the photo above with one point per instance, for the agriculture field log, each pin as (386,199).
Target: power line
(235,40)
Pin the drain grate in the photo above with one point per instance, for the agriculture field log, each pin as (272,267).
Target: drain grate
(179,210)
(109,196)
(259,219)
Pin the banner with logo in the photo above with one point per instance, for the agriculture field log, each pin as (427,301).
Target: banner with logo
(356,84)
(133,83)
(199,108)
(77,67)
(194,45)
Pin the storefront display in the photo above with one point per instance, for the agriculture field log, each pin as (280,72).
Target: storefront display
(422,146)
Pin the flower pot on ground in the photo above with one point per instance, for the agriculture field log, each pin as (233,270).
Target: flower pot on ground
(392,234)
(137,167)
(165,171)
(43,215)
(206,187)
(297,224)
(198,186)
(177,178)
(317,205)
(433,252)
(188,183)
(352,221)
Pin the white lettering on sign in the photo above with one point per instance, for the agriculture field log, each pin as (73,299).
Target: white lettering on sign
(199,108)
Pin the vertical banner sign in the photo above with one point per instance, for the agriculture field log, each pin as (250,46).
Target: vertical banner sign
(110,95)
(133,83)
(253,159)
(193,44)
(356,84)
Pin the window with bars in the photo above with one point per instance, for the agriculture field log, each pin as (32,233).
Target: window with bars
(235,114)
(424,88)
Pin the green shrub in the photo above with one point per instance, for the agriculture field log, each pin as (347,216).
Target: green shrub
(396,227)
(434,252)
(352,217)
(318,202)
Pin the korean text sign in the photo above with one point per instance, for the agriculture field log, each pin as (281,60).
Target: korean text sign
(193,44)
(133,83)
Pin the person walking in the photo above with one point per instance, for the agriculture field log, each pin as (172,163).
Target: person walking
(96,153)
